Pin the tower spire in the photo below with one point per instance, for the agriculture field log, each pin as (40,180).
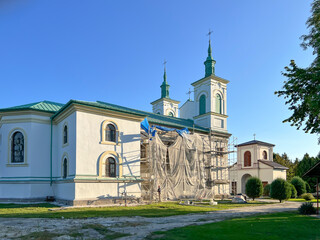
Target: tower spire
(165,86)
(210,62)
(165,71)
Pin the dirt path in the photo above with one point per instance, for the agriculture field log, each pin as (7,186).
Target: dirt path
(137,227)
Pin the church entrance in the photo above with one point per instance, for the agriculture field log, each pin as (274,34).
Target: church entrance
(244,180)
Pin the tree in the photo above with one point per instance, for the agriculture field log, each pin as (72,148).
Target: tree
(299,184)
(254,187)
(280,189)
(293,191)
(302,89)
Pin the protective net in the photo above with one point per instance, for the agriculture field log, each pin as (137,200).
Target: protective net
(181,169)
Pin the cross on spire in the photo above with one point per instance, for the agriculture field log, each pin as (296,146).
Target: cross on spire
(254,136)
(209,34)
(189,93)
(164,64)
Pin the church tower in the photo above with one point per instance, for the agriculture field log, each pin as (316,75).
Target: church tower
(209,108)
(165,105)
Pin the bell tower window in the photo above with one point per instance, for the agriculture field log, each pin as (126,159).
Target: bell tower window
(218,104)
(202,105)
(247,159)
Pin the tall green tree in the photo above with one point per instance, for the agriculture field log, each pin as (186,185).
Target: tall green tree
(302,89)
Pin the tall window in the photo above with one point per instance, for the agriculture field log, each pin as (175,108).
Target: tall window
(65,168)
(265,155)
(65,134)
(202,105)
(247,159)
(17,148)
(110,133)
(111,167)
(218,104)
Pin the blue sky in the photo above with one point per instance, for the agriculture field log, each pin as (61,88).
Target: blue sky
(113,51)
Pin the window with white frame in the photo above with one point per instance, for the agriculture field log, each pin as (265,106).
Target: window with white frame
(17,147)
(65,134)
(65,168)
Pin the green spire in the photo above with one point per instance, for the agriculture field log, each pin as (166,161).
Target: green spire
(165,86)
(209,63)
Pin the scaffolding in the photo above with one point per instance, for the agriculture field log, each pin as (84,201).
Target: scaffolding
(203,162)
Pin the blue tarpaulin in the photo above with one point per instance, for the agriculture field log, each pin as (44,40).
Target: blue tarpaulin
(152,130)
(145,125)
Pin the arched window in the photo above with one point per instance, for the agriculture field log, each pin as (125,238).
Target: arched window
(65,134)
(65,168)
(111,167)
(218,104)
(110,133)
(202,105)
(247,159)
(17,148)
(265,155)
(171,114)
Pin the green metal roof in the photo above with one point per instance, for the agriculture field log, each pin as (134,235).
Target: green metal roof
(161,119)
(152,117)
(43,106)
(57,108)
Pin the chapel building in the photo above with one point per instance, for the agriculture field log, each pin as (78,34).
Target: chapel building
(254,159)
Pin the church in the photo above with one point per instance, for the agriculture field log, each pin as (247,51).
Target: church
(83,153)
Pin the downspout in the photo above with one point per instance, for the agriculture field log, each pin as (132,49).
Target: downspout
(51,156)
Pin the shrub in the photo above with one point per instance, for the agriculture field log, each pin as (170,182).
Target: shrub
(307,196)
(266,190)
(280,189)
(299,184)
(307,208)
(293,191)
(308,188)
(254,187)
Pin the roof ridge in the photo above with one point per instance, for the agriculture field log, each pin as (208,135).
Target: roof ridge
(51,102)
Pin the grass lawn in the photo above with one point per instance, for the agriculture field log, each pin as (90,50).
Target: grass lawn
(153,210)
(277,226)
(302,200)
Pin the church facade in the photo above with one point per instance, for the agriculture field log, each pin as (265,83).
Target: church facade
(86,152)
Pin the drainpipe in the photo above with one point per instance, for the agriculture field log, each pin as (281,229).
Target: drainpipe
(51,156)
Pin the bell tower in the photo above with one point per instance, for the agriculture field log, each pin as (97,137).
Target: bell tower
(165,105)
(209,108)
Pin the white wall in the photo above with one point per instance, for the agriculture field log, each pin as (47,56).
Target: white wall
(279,174)
(187,110)
(90,150)
(164,107)
(30,179)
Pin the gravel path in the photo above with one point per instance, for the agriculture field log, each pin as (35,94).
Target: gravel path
(137,227)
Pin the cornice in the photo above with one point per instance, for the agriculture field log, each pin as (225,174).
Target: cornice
(211,113)
(211,77)
(165,99)
(97,111)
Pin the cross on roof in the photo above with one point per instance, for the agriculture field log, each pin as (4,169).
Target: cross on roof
(254,136)
(209,34)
